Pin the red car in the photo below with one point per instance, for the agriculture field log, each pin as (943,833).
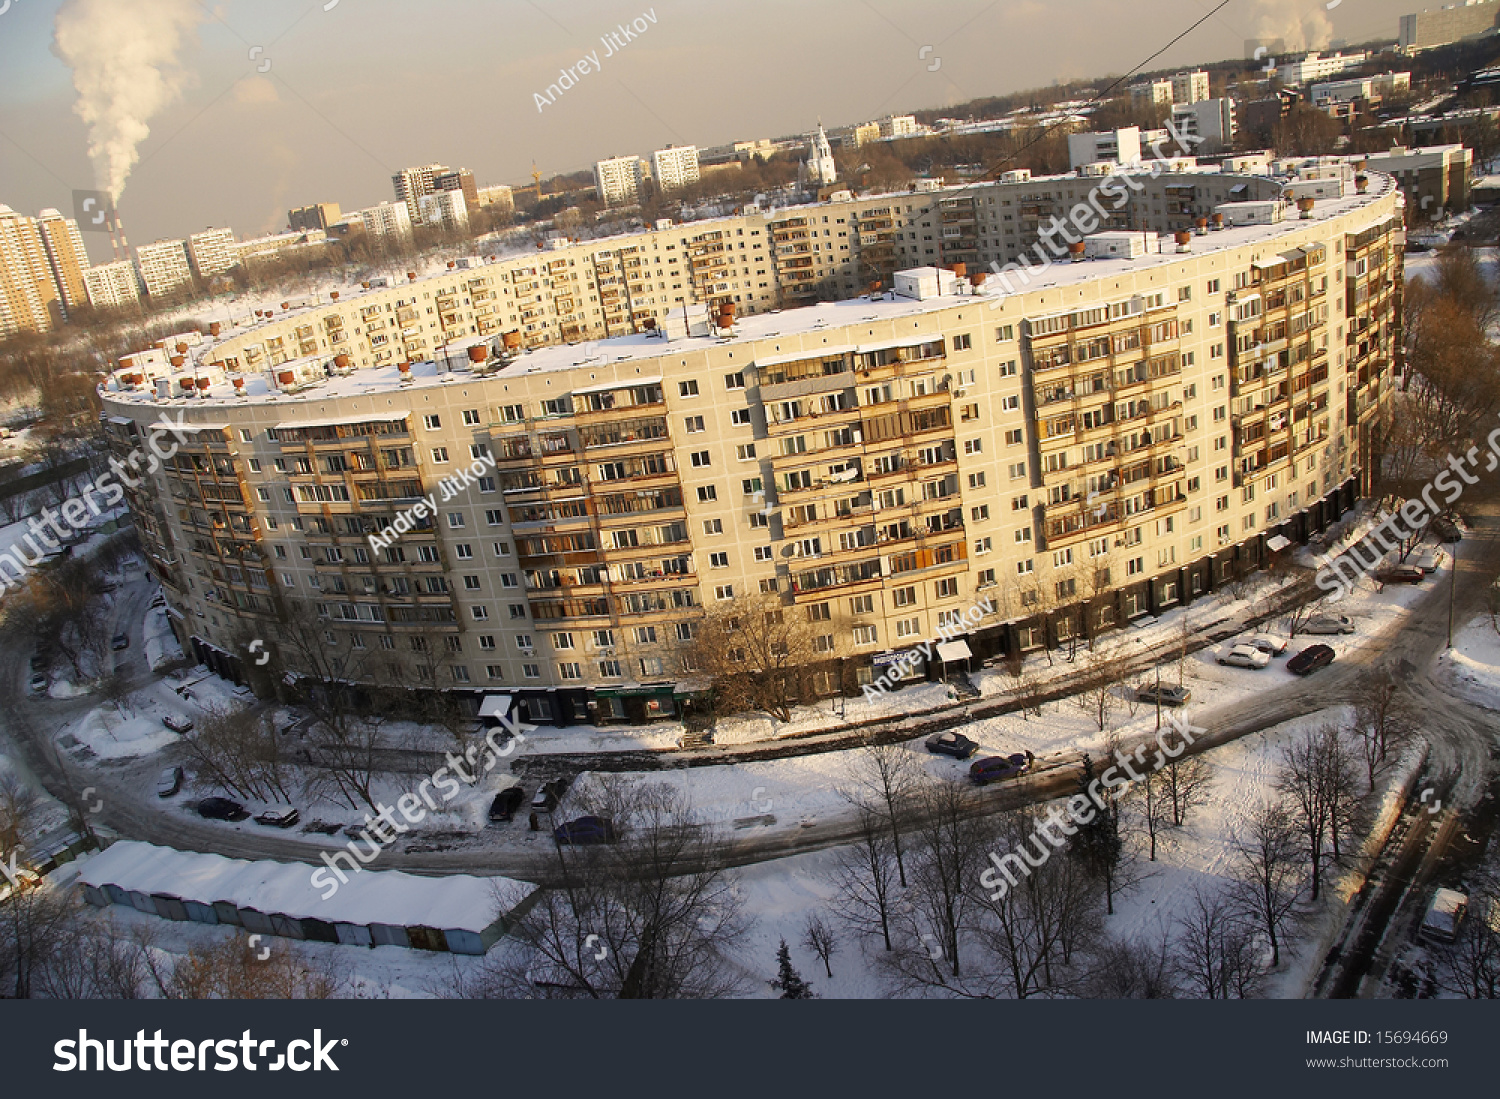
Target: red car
(1310,660)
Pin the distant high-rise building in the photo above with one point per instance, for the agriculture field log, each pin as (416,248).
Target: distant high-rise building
(66,257)
(618,180)
(460,179)
(164,266)
(1212,120)
(29,298)
(212,252)
(446,209)
(111,285)
(675,167)
(412,183)
(898,125)
(1122,146)
(388,221)
(1151,93)
(819,168)
(320,215)
(1189,87)
(1426,29)
(1317,67)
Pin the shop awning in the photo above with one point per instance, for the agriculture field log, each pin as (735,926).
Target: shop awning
(495,706)
(949,651)
(1277,542)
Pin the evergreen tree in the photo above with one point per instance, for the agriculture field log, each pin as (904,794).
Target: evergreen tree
(1097,844)
(788,981)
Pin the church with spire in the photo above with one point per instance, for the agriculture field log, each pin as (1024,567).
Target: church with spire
(819,170)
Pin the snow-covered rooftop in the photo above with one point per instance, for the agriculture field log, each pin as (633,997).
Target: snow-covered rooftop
(455,903)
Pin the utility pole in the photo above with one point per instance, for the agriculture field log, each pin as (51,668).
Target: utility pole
(1452,593)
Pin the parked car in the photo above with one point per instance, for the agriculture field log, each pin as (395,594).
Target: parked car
(180,725)
(586,830)
(952,744)
(1310,660)
(1329,624)
(997,768)
(278,816)
(1431,561)
(39,683)
(1401,574)
(1168,696)
(1271,646)
(1444,916)
(169,782)
(120,641)
(39,663)
(549,795)
(221,809)
(1245,656)
(506,803)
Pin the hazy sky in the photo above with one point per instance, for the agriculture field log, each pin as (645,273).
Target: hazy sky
(356,92)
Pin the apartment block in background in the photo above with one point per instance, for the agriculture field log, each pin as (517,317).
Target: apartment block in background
(1121,146)
(446,209)
(29,298)
(675,167)
(1425,29)
(619,180)
(320,215)
(212,252)
(112,285)
(390,221)
(459,179)
(67,258)
(411,184)
(1435,178)
(164,266)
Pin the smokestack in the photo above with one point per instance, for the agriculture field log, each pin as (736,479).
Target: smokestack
(122,244)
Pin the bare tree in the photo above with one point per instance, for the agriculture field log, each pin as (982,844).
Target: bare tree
(1317,784)
(947,858)
(238,751)
(1267,870)
(1038,933)
(1214,950)
(1471,968)
(1153,807)
(1104,674)
(888,775)
(1133,969)
(866,876)
(233,969)
(651,916)
(1382,720)
(755,653)
(819,937)
(1187,782)
(1301,600)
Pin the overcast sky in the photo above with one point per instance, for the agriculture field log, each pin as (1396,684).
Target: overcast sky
(354,93)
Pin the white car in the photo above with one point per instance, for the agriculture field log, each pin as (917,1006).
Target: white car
(1429,563)
(1271,646)
(1245,656)
(1329,624)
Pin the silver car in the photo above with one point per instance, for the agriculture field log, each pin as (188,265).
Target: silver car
(1329,624)
(1245,656)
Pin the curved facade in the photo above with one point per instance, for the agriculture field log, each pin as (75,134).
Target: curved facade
(1014,463)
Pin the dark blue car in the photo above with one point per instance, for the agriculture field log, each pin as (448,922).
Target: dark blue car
(586,830)
(996,768)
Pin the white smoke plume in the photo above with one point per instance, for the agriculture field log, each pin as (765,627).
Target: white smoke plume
(1297,24)
(124,57)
